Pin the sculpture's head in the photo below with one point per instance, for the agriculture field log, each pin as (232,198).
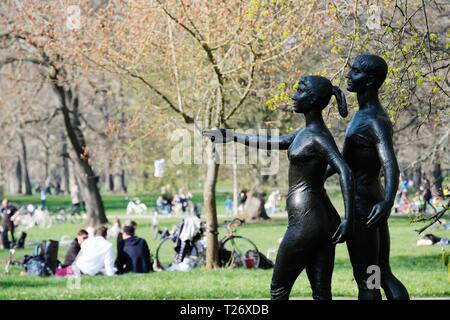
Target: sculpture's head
(367,71)
(314,93)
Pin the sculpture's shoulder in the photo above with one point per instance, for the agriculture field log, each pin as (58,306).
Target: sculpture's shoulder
(302,138)
(358,125)
(381,125)
(303,144)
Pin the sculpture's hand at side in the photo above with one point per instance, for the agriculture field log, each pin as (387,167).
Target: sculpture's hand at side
(379,211)
(219,135)
(341,233)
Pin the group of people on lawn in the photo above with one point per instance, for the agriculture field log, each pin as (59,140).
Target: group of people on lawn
(94,255)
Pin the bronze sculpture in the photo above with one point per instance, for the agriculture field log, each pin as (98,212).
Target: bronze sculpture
(368,148)
(314,225)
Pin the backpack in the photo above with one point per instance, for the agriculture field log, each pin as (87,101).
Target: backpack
(50,253)
(264,262)
(36,266)
(44,261)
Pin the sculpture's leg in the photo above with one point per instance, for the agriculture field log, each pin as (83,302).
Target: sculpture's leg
(392,287)
(292,258)
(363,249)
(320,271)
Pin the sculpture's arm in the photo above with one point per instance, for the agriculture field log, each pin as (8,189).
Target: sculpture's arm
(265,142)
(337,163)
(331,170)
(382,131)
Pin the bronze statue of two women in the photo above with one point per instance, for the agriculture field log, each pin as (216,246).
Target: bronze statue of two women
(314,226)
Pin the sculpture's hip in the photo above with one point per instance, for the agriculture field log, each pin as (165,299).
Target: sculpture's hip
(368,192)
(311,213)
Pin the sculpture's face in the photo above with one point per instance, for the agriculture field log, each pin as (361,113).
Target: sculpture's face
(303,97)
(357,79)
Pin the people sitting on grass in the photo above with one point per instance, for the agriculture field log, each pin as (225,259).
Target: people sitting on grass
(75,247)
(164,201)
(133,254)
(181,201)
(96,255)
(273,204)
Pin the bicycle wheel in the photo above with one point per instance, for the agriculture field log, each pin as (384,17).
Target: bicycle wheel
(234,251)
(198,254)
(165,254)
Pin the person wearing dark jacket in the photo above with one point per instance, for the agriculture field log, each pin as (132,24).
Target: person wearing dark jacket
(75,247)
(133,253)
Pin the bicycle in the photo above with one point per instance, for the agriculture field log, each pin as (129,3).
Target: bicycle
(12,262)
(237,251)
(167,254)
(234,251)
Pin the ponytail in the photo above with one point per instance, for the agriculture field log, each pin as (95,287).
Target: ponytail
(341,101)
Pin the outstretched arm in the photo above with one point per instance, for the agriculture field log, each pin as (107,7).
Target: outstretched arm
(337,164)
(265,142)
(385,149)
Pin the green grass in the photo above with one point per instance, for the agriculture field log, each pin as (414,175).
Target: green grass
(419,268)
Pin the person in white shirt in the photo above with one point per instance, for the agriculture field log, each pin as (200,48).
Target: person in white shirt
(96,255)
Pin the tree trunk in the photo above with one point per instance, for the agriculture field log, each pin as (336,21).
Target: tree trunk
(235,182)
(18,185)
(2,180)
(410,175)
(82,158)
(417,176)
(26,176)
(145,177)
(123,181)
(109,177)
(258,178)
(209,202)
(90,192)
(119,177)
(438,178)
(47,164)
(65,166)
(110,182)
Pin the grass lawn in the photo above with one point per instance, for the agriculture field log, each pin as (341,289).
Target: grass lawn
(419,268)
